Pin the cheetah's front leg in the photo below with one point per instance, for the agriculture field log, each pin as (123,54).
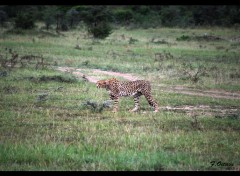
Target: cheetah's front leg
(115,106)
(136,103)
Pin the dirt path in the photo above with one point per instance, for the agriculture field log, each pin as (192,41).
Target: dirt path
(174,89)
(124,75)
(198,92)
(77,73)
(218,111)
(93,79)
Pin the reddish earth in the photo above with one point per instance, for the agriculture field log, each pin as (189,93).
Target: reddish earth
(202,109)
(176,89)
(205,93)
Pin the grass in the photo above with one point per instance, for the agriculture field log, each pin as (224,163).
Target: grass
(44,125)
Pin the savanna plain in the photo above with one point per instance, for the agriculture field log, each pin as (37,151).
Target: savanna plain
(53,120)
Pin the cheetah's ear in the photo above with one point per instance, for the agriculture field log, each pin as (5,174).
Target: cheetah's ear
(112,79)
(107,82)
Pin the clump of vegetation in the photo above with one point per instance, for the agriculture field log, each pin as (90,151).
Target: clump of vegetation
(96,107)
(42,97)
(3,17)
(6,61)
(86,63)
(101,30)
(207,37)
(163,56)
(10,89)
(132,40)
(235,75)
(183,38)
(97,20)
(192,73)
(158,41)
(3,73)
(25,20)
(204,37)
(14,60)
(57,78)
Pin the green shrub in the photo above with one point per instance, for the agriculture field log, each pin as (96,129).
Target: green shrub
(101,30)
(183,38)
(24,21)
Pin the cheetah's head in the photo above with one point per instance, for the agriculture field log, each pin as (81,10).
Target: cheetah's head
(105,83)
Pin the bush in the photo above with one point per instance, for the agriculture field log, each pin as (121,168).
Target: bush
(24,21)
(72,17)
(183,38)
(3,17)
(193,73)
(150,20)
(49,16)
(123,16)
(97,20)
(101,30)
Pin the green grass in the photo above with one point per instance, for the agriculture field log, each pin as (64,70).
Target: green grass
(59,133)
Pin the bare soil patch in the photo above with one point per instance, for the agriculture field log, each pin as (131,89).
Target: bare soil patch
(217,111)
(93,79)
(205,93)
(175,89)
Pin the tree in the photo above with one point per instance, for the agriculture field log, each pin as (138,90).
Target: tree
(48,16)
(3,17)
(63,16)
(26,17)
(123,15)
(24,21)
(72,17)
(97,20)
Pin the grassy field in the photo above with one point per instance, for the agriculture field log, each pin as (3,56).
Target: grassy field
(45,123)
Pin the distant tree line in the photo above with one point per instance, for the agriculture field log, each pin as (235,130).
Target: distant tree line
(99,19)
(177,15)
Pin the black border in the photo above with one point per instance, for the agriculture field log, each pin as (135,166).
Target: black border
(120,2)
